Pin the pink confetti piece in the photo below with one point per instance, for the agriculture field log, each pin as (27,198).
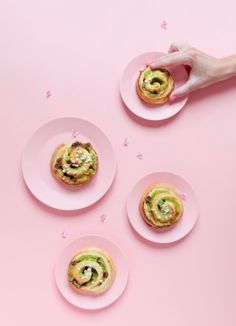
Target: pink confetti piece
(126,143)
(64,234)
(139,156)
(48,94)
(75,133)
(183,196)
(164,25)
(103,218)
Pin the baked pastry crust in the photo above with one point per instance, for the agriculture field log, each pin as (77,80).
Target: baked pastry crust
(91,271)
(161,206)
(154,86)
(75,163)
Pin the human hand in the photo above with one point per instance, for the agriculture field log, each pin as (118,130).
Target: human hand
(204,69)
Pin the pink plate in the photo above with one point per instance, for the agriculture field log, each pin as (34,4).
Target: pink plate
(37,156)
(185,224)
(86,301)
(137,106)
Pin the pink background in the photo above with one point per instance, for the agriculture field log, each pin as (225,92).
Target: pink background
(62,46)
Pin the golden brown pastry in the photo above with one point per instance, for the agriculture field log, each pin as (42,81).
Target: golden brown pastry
(91,271)
(74,164)
(161,206)
(154,86)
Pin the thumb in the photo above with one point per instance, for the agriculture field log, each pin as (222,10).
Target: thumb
(182,90)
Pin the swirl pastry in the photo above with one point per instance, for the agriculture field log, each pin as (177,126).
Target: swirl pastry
(161,206)
(74,164)
(154,86)
(91,271)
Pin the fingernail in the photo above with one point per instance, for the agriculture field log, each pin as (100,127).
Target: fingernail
(153,65)
(157,64)
(149,63)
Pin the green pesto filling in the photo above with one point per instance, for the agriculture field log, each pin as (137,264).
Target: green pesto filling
(155,81)
(83,270)
(160,205)
(99,260)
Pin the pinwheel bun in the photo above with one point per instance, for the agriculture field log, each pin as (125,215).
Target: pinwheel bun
(161,206)
(154,86)
(75,163)
(91,271)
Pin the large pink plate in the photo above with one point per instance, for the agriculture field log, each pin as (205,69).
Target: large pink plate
(36,164)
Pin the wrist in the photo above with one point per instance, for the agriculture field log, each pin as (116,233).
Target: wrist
(226,68)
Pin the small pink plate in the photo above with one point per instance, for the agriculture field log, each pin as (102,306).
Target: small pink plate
(135,104)
(185,224)
(86,301)
(37,156)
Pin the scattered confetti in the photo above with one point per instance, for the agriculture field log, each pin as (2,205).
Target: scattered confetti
(48,94)
(75,133)
(64,234)
(164,25)
(183,196)
(103,218)
(139,156)
(126,143)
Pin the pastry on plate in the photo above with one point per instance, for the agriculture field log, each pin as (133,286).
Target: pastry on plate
(75,163)
(161,206)
(154,86)
(91,271)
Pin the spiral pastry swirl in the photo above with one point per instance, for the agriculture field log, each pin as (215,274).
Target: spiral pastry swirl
(161,206)
(91,271)
(154,86)
(74,164)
